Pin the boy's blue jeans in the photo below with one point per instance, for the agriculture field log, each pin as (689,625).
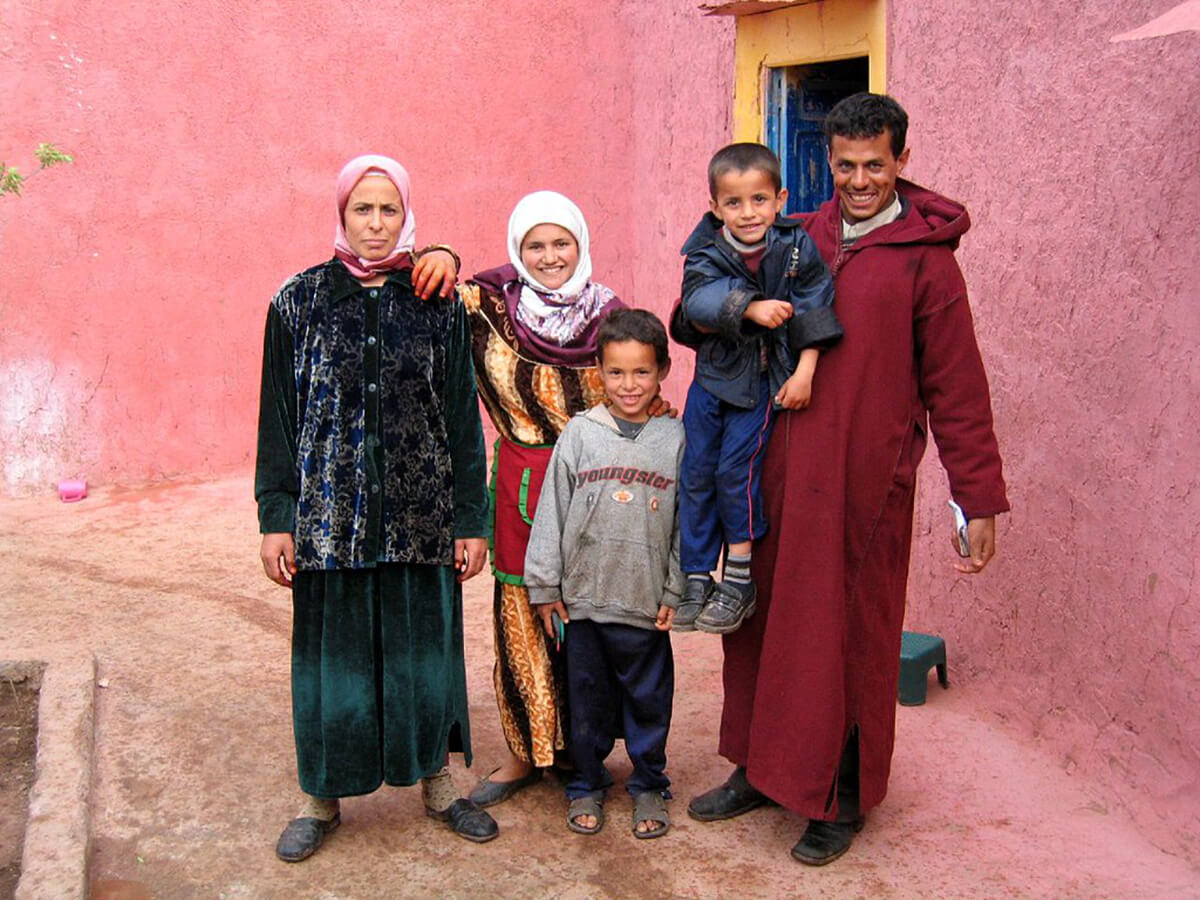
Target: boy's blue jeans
(620,683)
(720,500)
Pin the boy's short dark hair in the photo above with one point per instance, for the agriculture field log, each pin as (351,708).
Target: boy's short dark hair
(639,325)
(741,158)
(866,115)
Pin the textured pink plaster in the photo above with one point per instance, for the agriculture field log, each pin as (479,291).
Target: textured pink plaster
(1184,17)
(682,82)
(133,284)
(207,136)
(1077,158)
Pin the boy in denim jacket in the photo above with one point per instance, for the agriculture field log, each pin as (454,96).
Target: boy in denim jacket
(757,308)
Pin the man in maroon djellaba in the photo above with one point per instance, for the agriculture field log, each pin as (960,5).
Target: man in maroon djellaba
(810,682)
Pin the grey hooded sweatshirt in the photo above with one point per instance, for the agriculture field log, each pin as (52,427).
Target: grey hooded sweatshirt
(605,536)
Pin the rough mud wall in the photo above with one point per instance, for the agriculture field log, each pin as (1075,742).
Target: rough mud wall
(681,70)
(1078,160)
(207,137)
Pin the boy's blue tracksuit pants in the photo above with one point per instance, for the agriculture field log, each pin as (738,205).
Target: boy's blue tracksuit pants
(720,499)
(620,683)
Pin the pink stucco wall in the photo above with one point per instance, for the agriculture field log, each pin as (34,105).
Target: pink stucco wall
(133,284)
(1078,159)
(682,77)
(207,136)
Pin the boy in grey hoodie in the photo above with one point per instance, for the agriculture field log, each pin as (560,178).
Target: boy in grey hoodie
(603,556)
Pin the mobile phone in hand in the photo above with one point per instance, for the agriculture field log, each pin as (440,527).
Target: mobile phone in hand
(960,530)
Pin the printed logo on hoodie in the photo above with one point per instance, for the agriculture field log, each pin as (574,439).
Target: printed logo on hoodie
(624,475)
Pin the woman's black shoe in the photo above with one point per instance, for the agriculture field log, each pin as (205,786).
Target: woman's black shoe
(467,820)
(489,793)
(304,836)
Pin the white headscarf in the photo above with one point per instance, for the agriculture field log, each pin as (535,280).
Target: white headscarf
(549,208)
(563,314)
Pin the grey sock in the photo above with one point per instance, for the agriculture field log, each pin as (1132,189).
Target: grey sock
(737,573)
(737,568)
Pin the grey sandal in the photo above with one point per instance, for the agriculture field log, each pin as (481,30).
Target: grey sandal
(591,805)
(651,806)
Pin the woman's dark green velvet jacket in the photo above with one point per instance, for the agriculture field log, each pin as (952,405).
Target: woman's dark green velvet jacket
(370,447)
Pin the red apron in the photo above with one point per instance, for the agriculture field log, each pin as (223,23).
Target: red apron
(517,474)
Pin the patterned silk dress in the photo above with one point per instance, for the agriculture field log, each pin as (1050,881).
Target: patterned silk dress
(530,400)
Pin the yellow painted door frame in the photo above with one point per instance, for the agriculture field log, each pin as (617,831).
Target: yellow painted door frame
(818,32)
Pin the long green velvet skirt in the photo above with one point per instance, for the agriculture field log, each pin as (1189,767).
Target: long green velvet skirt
(379,687)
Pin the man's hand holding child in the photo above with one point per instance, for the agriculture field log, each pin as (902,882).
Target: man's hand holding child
(796,392)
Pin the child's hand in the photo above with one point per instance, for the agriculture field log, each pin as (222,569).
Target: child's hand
(768,313)
(432,269)
(469,557)
(545,609)
(278,555)
(796,392)
(666,616)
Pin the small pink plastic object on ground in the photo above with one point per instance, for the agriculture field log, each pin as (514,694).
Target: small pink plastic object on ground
(72,490)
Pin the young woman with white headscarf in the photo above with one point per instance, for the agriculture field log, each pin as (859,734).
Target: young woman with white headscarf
(533,338)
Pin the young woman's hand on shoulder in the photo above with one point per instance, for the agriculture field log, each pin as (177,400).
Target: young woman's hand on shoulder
(435,271)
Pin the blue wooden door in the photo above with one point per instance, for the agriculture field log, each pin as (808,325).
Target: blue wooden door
(798,99)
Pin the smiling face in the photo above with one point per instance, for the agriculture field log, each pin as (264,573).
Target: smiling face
(373,218)
(864,173)
(747,202)
(631,378)
(550,254)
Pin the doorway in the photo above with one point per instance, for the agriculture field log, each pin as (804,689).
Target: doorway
(798,99)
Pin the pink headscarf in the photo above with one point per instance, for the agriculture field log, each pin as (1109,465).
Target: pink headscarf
(350,175)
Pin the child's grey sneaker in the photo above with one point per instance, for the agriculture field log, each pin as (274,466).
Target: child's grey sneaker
(695,595)
(728,606)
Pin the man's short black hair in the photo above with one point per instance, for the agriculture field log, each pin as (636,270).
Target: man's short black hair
(742,158)
(639,325)
(868,115)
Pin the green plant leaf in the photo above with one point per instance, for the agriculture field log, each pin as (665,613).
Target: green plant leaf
(10,182)
(49,155)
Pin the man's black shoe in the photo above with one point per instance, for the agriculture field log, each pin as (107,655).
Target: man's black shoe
(823,842)
(732,798)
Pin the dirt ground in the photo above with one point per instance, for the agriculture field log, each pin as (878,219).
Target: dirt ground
(194,772)
(18,743)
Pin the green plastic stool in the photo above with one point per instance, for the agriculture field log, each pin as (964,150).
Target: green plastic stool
(918,654)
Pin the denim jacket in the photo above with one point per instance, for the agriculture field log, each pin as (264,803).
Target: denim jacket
(717,288)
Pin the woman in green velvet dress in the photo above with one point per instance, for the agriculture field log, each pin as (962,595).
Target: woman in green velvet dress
(372,502)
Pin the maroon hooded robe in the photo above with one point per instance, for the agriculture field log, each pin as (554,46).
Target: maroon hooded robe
(821,655)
